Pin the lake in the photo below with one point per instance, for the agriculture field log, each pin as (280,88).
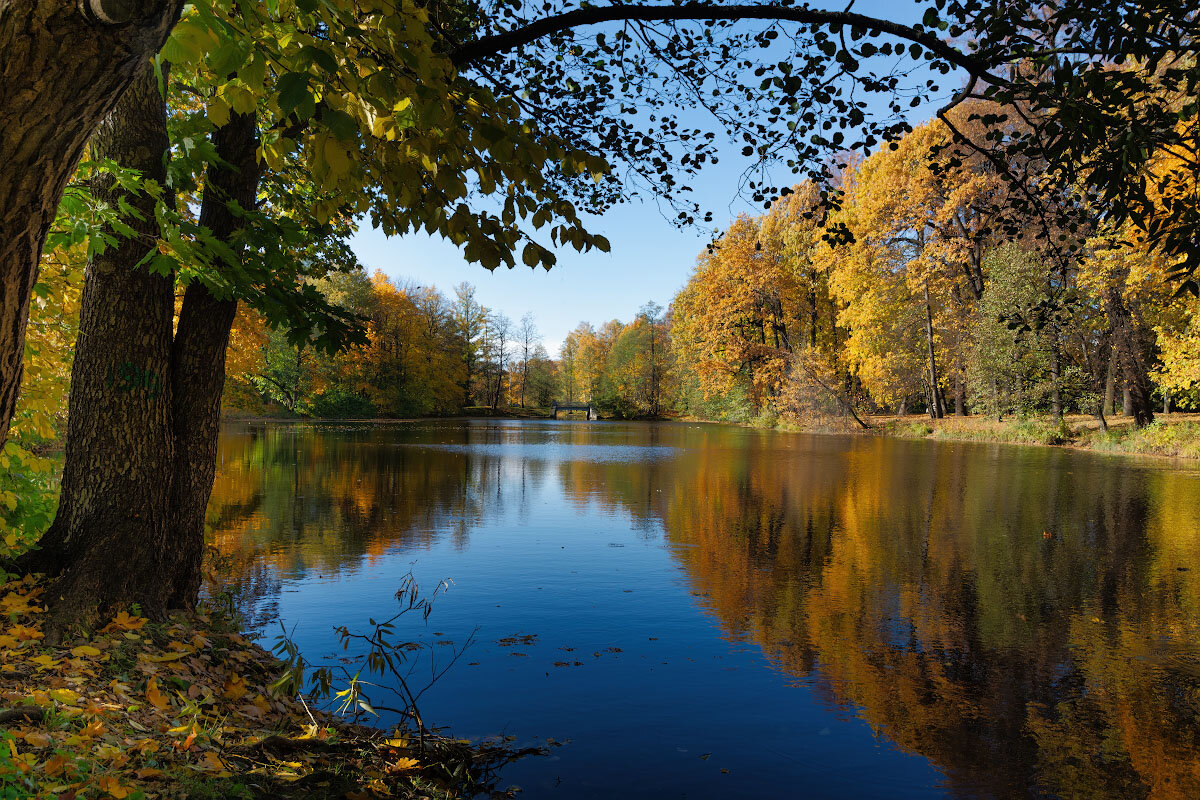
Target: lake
(693,611)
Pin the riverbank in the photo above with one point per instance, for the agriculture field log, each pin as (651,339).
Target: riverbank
(1174,435)
(189,708)
(471,412)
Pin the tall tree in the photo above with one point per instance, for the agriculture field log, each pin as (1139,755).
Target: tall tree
(65,65)
(529,339)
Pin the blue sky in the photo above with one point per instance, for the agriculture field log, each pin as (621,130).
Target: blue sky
(650,258)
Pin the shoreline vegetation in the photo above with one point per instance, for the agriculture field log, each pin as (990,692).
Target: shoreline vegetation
(189,708)
(1175,435)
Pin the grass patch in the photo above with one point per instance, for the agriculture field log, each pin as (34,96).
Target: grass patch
(1165,437)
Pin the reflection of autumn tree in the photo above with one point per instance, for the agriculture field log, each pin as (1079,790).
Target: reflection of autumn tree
(1017,616)
(298,500)
(948,596)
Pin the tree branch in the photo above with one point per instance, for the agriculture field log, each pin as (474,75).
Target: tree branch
(594,15)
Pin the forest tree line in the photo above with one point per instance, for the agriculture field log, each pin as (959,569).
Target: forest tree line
(929,307)
(424,354)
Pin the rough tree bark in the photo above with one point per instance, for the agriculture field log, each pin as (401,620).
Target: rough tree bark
(198,360)
(109,536)
(63,66)
(141,457)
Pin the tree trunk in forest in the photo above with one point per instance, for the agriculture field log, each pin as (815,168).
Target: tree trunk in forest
(109,540)
(1110,384)
(1056,404)
(1166,401)
(960,396)
(63,66)
(1126,402)
(198,358)
(1127,343)
(936,409)
(1131,357)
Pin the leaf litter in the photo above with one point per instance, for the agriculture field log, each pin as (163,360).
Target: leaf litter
(189,708)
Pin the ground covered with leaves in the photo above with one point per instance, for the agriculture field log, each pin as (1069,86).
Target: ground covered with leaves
(187,708)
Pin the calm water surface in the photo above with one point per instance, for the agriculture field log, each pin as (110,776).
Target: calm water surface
(707,611)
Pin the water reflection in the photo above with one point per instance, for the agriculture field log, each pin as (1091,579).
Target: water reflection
(1024,619)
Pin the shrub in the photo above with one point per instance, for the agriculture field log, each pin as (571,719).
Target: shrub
(342,404)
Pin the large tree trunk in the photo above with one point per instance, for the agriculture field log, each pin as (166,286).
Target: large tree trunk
(1130,350)
(108,543)
(198,364)
(197,378)
(61,72)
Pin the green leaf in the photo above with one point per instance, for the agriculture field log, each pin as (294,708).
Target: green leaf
(293,90)
(309,54)
(339,123)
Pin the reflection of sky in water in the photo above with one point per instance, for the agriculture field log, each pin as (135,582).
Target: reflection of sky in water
(557,452)
(820,616)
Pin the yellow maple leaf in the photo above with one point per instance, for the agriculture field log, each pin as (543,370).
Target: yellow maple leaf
(16,603)
(124,622)
(404,765)
(23,633)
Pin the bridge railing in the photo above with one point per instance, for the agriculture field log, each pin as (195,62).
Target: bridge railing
(588,407)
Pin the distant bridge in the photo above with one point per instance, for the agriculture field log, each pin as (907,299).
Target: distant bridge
(557,407)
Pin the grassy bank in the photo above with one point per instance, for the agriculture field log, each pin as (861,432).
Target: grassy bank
(1172,435)
(190,708)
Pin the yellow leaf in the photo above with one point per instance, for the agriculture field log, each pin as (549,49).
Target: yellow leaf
(124,622)
(64,695)
(37,739)
(404,765)
(85,651)
(113,787)
(212,761)
(336,157)
(92,729)
(234,688)
(23,633)
(156,697)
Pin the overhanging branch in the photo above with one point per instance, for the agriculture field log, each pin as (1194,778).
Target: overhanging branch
(595,15)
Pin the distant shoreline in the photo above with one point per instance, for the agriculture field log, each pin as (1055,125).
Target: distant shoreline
(1172,436)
